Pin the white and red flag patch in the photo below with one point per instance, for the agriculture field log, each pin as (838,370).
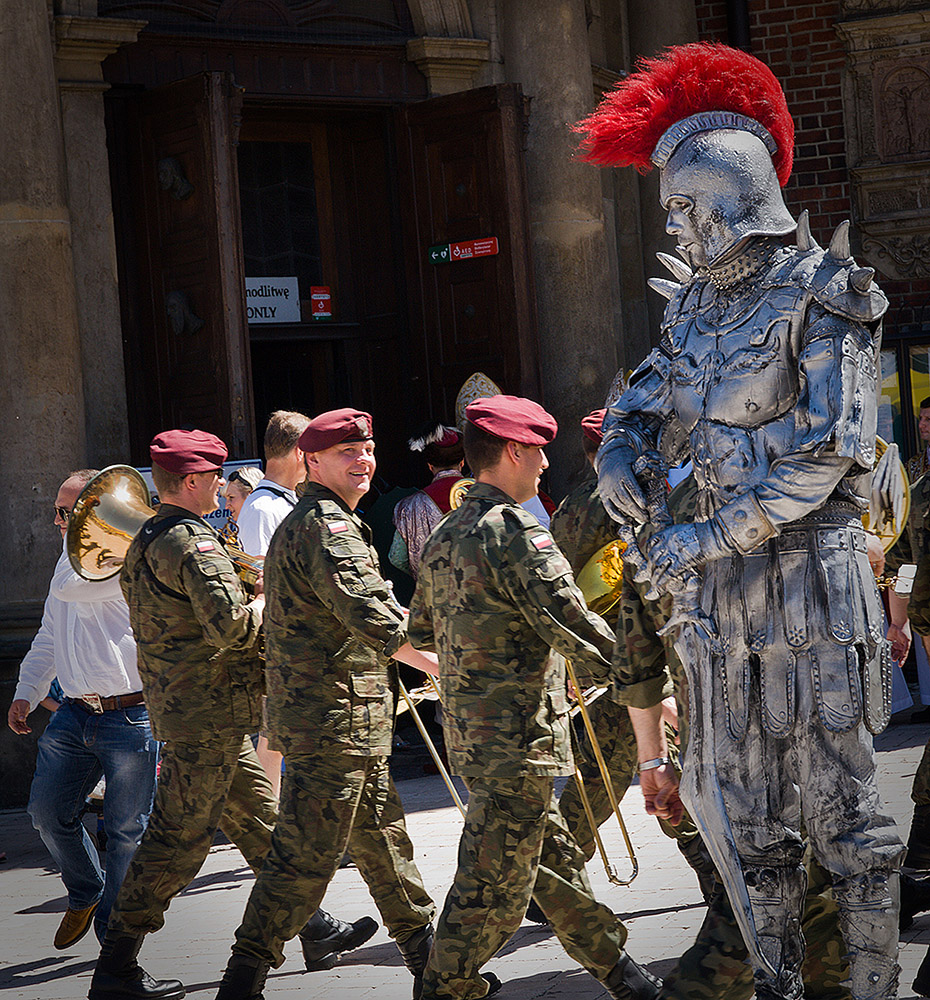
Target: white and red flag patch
(542,542)
(205,546)
(337,527)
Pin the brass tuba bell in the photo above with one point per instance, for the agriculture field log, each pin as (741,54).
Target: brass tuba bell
(107,514)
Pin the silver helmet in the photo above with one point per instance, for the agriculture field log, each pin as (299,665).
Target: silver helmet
(728,177)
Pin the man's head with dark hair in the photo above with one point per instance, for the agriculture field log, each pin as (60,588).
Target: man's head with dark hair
(283,430)
(482,450)
(440,445)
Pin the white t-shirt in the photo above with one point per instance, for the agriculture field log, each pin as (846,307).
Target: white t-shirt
(264,509)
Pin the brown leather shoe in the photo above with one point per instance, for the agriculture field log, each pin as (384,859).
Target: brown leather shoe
(74,925)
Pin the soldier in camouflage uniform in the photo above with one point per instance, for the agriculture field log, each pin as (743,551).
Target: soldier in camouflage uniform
(333,632)
(497,600)
(581,527)
(202,678)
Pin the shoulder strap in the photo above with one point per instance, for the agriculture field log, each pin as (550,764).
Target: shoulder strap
(148,533)
(274,492)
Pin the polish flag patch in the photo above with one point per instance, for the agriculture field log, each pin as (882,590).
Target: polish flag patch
(205,546)
(337,527)
(542,542)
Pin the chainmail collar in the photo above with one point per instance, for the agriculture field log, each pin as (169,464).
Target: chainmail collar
(752,259)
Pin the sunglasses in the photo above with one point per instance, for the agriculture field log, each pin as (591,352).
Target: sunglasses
(63,512)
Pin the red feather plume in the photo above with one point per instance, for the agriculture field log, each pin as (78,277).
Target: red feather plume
(625,127)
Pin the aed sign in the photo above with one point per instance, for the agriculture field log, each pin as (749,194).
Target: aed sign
(443,253)
(272,300)
(321,302)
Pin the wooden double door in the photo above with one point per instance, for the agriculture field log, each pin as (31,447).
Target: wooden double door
(213,187)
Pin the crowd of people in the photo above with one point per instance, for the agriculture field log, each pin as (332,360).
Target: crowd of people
(748,598)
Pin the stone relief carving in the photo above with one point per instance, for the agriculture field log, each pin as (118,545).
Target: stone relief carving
(887,111)
(171,178)
(181,316)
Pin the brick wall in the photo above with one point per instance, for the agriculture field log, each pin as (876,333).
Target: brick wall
(798,41)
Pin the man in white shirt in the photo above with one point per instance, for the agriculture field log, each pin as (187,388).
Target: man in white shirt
(101,728)
(275,496)
(264,509)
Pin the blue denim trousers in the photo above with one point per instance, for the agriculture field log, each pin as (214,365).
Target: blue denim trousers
(74,751)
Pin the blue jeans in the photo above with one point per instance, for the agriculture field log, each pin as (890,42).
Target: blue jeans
(74,751)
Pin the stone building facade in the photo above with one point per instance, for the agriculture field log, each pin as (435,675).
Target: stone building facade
(172,160)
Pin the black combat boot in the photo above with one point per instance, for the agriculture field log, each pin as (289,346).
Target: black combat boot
(244,979)
(323,938)
(629,981)
(535,914)
(696,854)
(918,841)
(119,976)
(415,953)
(915,898)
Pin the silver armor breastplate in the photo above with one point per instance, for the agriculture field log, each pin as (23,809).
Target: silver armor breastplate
(734,374)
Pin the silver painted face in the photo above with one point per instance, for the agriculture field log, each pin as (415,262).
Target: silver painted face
(720,188)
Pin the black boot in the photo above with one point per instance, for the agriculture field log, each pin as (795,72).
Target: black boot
(244,979)
(915,898)
(918,841)
(324,938)
(415,953)
(535,914)
(119,976)
(629,981)
(922,982)
(696,854)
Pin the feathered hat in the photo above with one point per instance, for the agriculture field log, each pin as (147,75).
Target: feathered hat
(441,445)
(699,87)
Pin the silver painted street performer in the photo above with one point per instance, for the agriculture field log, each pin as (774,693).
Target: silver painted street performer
(765,376)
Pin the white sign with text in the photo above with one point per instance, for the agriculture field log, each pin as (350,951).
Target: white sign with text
(272,300)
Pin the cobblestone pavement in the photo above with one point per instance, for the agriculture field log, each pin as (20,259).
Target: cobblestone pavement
(663,909)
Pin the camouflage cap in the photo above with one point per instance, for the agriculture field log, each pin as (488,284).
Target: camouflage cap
(335,427)
(513,418)
(183,452)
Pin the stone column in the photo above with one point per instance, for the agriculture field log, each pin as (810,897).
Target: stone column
(82,43)
(654,25)
(545,47)
(41,393)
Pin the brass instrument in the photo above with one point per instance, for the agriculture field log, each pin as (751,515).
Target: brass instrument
(890,502)
(612,876)
(108,514)
(459,488)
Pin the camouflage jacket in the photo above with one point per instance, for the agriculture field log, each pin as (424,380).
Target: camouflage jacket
(494,598)
(197,640)
(331,625)
(581,525)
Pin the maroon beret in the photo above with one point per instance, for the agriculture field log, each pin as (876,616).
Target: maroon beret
(184,452)
(592,425)
(512,418)
(335,427)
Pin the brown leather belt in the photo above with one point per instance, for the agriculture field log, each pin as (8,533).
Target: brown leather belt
(97,705)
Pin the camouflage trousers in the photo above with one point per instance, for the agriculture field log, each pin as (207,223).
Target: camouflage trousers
(514,843)
(716,966)
(614,733)
(203,784)
(330,802)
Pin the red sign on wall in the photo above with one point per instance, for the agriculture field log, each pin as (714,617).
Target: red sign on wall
(321,302)
(474,248)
